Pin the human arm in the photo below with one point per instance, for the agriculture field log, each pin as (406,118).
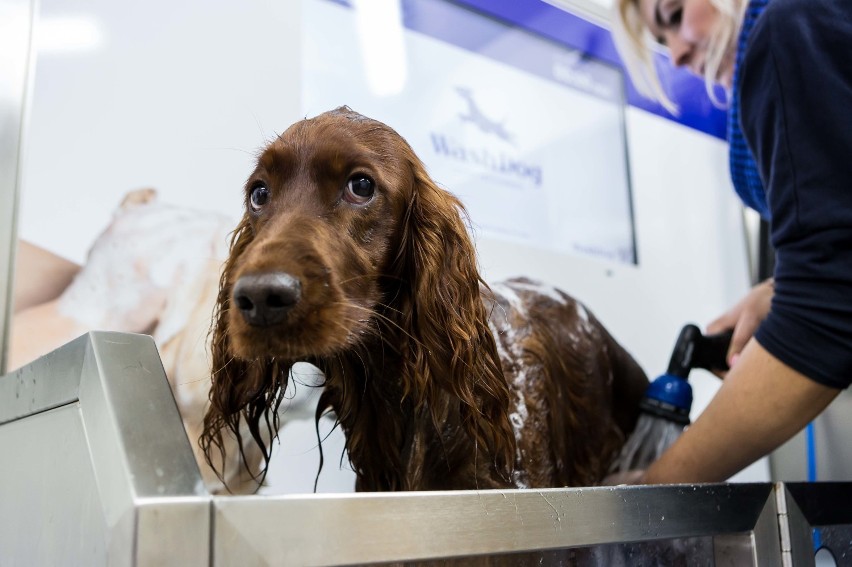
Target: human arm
(795,114)
(760,405)
(36,326)
(40,276)
(39,329)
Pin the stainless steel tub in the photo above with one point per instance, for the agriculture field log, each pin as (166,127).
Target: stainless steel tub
(97,469)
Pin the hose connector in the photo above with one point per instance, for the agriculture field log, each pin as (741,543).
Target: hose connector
(669,397)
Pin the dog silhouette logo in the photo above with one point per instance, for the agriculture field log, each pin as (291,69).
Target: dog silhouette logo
(478,118)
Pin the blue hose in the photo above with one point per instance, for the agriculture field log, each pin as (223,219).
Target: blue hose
(811,448)
(810,444)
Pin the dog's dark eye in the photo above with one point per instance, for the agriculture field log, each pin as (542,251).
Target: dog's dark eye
(259,196)
(359,189)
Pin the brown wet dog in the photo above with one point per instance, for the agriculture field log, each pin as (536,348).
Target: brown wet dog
(351,258)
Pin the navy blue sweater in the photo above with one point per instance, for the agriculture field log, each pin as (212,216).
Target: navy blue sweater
(796,115)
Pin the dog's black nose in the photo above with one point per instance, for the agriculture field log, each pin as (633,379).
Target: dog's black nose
(265,299)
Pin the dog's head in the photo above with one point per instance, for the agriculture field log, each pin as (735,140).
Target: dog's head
(322,228)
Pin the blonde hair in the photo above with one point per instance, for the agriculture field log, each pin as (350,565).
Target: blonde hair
(633,41)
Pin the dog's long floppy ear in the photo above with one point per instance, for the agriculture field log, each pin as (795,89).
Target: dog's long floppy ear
(241,390)
(441,308)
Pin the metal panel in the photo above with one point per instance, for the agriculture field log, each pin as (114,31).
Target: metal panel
(15,33)
(765,537)
(50,510)
(372,528)
(137,441)
(760,547)
(173,531)
(103,472)
(51,381)
(820,511)
(140,408)
(797,547)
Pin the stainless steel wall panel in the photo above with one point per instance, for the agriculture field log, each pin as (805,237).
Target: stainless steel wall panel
(132,402)
(734,550)
(51,381)
(115,484)
(50,511)
(136,438)
(173,531)
(819,514)
(796,543)
(766,541)
(108,477)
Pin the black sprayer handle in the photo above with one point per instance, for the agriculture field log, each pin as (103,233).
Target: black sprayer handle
(694,350)
(711,353)
(681,361)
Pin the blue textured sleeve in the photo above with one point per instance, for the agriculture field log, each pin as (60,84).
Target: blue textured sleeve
(796,113)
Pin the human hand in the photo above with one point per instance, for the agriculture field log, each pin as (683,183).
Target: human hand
(132,266)
(744,318)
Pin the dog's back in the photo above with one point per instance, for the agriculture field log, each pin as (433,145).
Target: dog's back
(574,390)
